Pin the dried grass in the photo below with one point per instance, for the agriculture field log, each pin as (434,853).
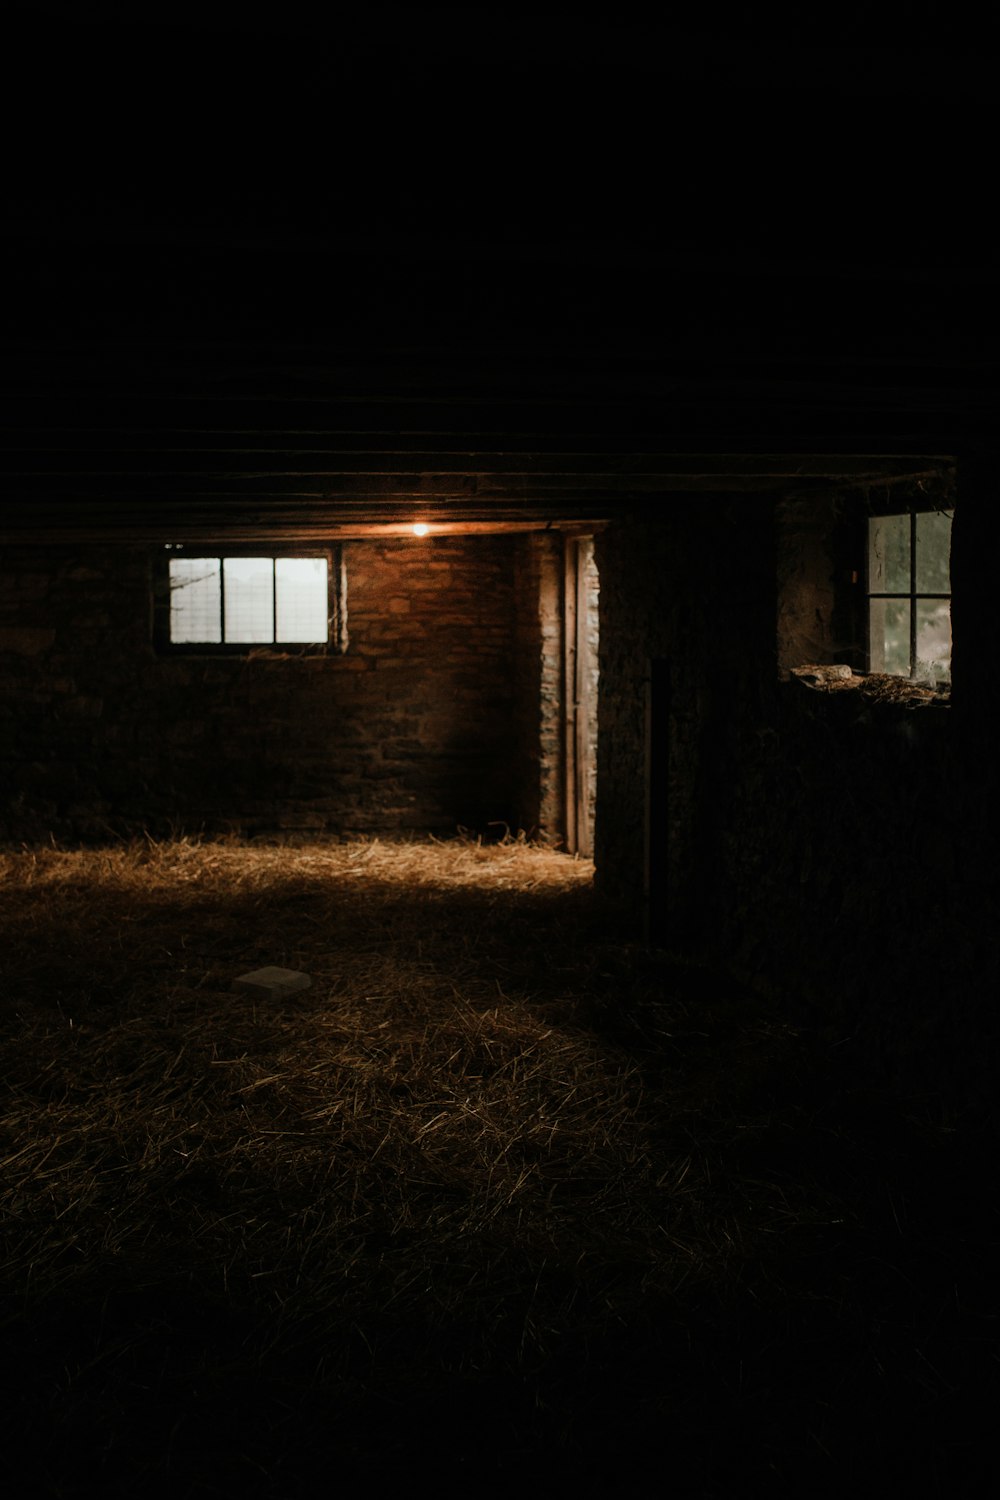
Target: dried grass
(494,1162)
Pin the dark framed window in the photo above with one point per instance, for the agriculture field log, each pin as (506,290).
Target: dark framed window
(238,600)
(909,594)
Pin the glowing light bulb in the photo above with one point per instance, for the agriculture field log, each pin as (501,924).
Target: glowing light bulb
(420,528)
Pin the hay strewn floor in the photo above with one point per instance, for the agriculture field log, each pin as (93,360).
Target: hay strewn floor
(499,1196)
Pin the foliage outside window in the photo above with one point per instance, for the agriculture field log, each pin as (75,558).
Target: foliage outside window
(909,595)
(240,602)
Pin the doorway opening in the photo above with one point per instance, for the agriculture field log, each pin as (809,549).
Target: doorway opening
(581,670)
(557,644)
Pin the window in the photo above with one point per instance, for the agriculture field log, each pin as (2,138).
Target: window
(909,595)
(244,601)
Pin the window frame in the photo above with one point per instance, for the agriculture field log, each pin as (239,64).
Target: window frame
(911,509)
(335,643)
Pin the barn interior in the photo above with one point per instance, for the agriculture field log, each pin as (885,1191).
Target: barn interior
(606,429)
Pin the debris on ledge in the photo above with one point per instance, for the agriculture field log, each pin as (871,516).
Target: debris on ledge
(873,687)
(836,676)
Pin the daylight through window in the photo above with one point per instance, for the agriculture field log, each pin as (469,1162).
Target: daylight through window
(909,595)
(249,601)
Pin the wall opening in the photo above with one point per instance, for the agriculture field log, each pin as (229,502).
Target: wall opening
(556,643)
(465,696)
(581,642)
(863,580)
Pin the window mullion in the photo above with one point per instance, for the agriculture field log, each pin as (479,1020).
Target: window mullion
(222,598)
(274,600)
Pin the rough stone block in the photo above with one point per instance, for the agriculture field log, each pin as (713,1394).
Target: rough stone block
(272,983)
(26,640)
(82,707)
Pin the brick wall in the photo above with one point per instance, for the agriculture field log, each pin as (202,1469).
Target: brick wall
(422,725)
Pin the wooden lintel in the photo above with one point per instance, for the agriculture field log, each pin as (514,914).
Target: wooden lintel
(210,532)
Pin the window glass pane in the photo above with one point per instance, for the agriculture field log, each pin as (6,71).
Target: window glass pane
(889,555)
(195,599)
(301,598)
(934,551)
(890,636)
(933,640)
(249,599)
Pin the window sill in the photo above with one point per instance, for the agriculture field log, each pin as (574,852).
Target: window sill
(872,687)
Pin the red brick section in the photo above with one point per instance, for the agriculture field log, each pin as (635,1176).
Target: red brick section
(426,723)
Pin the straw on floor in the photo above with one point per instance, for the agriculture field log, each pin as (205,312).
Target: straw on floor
(500,1193)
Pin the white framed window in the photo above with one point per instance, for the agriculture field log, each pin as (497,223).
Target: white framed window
(236,601)
(909,595)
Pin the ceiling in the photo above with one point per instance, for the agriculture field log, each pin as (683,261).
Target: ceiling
(281,261)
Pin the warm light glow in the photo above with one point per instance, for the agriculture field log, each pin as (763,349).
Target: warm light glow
(420,528)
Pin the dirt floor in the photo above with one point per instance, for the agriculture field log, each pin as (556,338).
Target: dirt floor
(501,1197)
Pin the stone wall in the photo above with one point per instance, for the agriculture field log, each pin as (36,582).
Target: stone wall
(420,725)
(820,546)
(689,584)
(835,849)
(538,685)
(592,674)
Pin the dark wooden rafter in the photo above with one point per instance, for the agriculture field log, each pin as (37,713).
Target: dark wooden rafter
(51,456)
(222,448)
